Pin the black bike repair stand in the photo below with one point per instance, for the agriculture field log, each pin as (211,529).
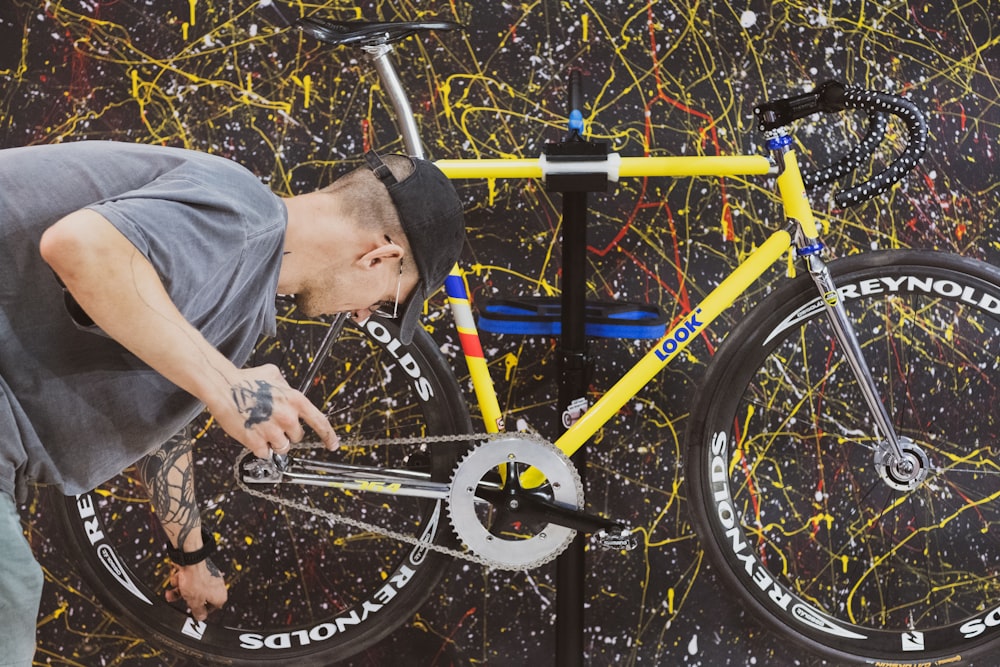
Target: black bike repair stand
(575,167)
(574,365)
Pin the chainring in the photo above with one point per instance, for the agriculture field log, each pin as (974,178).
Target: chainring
(515,546)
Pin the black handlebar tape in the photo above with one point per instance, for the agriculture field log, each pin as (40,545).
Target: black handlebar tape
(877,124)
(916,128)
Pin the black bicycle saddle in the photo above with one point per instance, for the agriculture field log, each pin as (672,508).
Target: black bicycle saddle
(367,33)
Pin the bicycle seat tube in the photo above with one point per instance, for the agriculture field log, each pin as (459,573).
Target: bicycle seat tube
(381,56)
(809,247)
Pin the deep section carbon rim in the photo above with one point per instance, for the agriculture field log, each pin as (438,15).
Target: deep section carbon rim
(300,586)
(795,498)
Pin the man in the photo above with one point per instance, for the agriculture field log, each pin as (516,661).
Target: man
(134,283)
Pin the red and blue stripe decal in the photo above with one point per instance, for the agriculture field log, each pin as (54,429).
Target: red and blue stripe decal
(465,324)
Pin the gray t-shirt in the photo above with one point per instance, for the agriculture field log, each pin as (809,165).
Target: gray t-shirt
(75,406)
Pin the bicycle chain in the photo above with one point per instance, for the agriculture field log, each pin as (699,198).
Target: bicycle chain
(385,532)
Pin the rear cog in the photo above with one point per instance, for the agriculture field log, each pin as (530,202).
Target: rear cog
(500,531)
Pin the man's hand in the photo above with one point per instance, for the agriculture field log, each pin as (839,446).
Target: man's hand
(200,585)
(265,414)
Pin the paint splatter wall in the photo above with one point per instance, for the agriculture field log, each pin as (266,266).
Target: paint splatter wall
(665,78)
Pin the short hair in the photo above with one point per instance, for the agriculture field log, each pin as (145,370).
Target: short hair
(366,200)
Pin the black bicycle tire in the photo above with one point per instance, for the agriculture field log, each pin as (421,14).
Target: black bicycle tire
(740,484)
(323,640)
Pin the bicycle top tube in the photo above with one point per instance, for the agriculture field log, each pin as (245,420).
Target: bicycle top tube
(830,97)
(615,166)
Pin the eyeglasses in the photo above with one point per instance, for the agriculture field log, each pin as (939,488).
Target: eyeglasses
(389,309)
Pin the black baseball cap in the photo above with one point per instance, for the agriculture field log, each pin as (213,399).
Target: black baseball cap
(430,213)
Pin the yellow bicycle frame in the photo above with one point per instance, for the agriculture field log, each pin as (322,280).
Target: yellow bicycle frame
(796,208)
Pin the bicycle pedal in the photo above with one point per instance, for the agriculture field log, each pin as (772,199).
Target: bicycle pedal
(619,539)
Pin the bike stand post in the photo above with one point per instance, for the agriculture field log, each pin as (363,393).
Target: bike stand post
(574,367)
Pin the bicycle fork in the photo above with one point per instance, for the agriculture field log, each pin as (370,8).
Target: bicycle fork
(900,462)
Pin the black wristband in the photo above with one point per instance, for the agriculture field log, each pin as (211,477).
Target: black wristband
(193,557)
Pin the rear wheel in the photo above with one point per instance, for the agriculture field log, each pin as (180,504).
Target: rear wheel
(301,587)
(797,502)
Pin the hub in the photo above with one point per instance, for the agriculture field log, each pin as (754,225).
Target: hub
(902,474)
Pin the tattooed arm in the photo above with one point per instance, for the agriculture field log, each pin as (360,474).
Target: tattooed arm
(169,477)
(121,292)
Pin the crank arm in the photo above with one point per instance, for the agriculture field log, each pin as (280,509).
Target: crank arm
(534,506)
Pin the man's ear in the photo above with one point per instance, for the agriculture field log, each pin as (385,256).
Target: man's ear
(379,254)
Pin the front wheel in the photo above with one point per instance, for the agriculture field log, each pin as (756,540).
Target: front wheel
(303,590)
(794,499)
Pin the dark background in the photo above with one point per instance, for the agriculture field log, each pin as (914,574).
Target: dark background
(670,77)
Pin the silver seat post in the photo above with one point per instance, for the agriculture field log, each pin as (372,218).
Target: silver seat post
(381,55)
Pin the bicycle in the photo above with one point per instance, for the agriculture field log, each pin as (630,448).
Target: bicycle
(832,466)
